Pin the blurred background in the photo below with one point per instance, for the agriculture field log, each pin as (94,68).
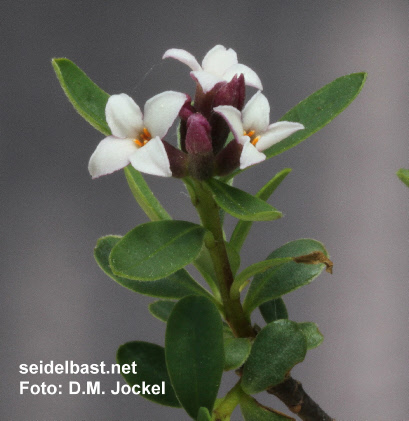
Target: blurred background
(56,303)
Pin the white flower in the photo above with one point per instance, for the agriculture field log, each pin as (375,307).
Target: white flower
(218,65)
(136,138)
(251,128)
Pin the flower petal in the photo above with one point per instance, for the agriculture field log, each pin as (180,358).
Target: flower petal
(277,132)
(218,60)
(124,117)
(111,155)
(206,80)
(152,159)
(161,111)
(256,114)
(250,76)
(250,155)
(183,56)
(233,119)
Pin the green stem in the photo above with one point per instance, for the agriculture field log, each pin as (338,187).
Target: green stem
(209,214)
(226,406)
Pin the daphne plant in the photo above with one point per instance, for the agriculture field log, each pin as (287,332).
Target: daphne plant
(208,324)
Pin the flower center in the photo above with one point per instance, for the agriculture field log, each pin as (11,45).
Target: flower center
(144,138)
(252,135)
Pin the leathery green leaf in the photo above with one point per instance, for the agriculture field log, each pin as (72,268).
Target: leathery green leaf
(236,352)
(86,97)
(254,411)
(194,352)
(243,227)
(150,368)
(403,175)
(161,309)
(276,350)
(319,109)
(203,415)
(144,196)
(156,249)
(312,334)
(177,285)
(243,277)
(273,310)
(240,204)
(277,281)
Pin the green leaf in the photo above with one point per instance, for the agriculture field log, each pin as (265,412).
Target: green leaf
(403,175)
(156,249)
(254,411)
(240,204)
(151,368)
(312,334)
(319,109)
(203,415)
(275,282)
(161,309)
(144,196)
(236,352)
(276,350)
(177,285)
(243,277)
(86,97)
(194,352)
(273,310)
(243,227)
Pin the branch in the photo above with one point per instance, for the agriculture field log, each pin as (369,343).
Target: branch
(291,393)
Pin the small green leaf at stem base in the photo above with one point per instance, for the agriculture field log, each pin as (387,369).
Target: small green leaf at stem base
(403,175)
(203,415)
(156,249)
(151,368)
(276,350)
(178,285)
(254,411)
(194,352)
(240,204)
(86,97)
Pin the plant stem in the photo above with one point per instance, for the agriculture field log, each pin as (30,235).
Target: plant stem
(291,392)
(224,409)
(209,214)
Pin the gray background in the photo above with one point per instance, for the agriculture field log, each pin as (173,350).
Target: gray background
(56,303)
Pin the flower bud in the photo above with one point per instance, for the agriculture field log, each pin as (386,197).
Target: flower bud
(178,160)
(232,93)
(199,147)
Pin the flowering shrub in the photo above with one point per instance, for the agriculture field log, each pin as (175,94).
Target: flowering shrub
(209,330)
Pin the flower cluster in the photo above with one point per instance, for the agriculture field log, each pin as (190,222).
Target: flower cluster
(205,148)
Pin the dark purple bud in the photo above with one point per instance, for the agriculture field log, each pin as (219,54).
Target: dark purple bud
(232,93)
(228,159)
(187,109)
(199,147)
(204,101)
(198,135)
(178,160)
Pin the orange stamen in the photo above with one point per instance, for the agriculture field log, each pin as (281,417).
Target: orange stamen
(145,137)
(255,140)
